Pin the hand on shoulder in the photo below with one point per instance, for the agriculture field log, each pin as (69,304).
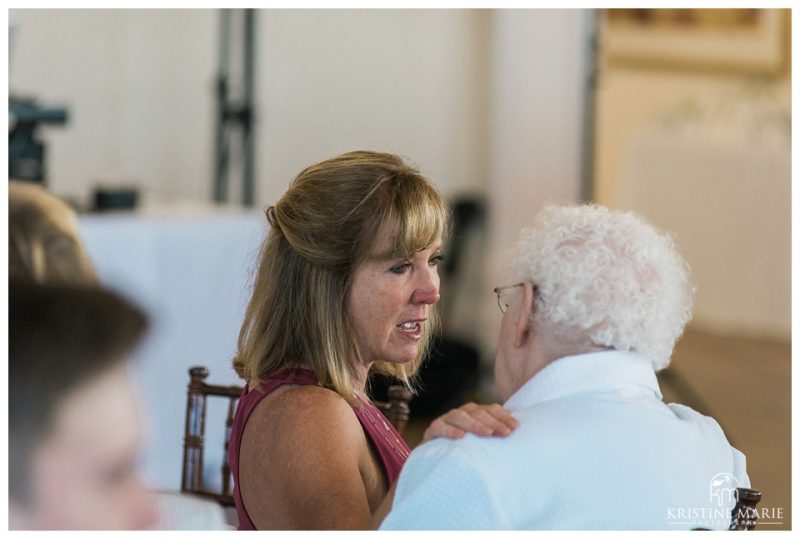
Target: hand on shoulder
(479,419)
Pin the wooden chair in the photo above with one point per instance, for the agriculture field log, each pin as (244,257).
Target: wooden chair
(194,436)
(744,515)
(397,411)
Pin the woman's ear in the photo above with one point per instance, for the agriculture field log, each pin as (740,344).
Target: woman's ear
(523,316)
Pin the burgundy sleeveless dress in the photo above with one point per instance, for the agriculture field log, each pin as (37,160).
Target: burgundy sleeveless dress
(387,442)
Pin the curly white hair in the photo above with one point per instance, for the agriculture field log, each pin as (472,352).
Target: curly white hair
(608,276)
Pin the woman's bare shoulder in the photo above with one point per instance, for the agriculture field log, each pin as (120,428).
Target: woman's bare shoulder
(304,413)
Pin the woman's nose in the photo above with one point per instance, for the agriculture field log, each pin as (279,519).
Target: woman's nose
(427,290)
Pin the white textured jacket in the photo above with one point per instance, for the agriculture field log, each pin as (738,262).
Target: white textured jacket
(595,449)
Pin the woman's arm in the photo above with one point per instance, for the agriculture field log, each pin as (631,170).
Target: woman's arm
(302,460)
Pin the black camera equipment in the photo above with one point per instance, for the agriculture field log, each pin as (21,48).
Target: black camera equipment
(26,153)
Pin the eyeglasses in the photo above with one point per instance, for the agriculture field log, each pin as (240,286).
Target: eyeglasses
(502,303)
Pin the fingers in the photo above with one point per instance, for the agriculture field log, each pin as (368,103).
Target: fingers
(479,419)
(472,419)
(502,415)
(492,419)
(440,429)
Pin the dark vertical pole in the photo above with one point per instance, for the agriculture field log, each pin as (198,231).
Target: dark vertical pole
(220,142)
(248,107)
(194,432)
(589,99)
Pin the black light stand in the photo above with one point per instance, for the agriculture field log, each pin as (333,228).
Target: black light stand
(235,102)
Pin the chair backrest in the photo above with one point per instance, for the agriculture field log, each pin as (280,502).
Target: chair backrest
(194,436)
(397,411)
(744,515)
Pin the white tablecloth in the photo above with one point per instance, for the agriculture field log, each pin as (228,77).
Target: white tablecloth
(191,273)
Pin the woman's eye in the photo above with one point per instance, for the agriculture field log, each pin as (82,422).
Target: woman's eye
(400,268)
(436,260)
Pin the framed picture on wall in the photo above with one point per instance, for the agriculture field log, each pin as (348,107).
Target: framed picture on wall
(741,40)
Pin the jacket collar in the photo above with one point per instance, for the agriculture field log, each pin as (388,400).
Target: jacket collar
(585,373)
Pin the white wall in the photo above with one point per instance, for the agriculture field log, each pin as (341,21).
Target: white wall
(536,101)
(138,86)
(412,82)
(728,205)
(705,154)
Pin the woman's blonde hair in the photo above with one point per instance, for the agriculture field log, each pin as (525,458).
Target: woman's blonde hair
(43,243)
(322,228)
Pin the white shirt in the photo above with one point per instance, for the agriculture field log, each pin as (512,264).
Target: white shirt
(595,449)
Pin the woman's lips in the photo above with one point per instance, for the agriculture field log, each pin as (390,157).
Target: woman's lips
(412,329)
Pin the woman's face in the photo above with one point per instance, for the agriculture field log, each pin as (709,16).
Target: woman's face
(389,303)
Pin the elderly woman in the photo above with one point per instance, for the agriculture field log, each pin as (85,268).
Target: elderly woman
(346,286)
(599,299)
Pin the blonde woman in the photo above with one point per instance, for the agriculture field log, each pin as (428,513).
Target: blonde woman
(346,286)
(43,242)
